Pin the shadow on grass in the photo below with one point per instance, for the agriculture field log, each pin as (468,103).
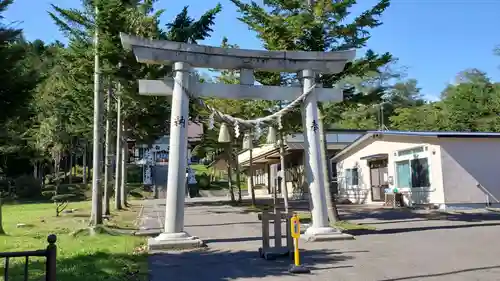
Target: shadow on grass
(216,265)
(92,267)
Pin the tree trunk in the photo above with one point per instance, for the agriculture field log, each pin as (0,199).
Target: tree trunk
(284,187)
(230,172)
(35,170)
(41,172)
(107,153)
(2,231)
(213,174)
(118,152)
(57,164)
(96,217)
(333,214)
(250,169)
(70,176)
(90,164)
(238,177)
(123,182)
(84,164)
(75,160)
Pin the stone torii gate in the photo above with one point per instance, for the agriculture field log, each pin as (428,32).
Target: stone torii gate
(184,57)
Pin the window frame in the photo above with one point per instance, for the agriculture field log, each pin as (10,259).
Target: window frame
(420,152)
(350,176)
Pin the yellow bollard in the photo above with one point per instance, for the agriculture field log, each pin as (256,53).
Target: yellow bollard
(295,232)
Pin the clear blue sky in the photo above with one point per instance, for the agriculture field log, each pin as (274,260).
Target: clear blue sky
(435,39)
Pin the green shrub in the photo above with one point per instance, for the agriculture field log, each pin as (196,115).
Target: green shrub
(203,181)
(136,193)
(134,174)
(27,186)
(4,185)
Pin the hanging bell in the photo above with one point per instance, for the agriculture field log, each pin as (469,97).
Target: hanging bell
(236,129)
(211,121)
(247,141)
(258,130)
(271,135)
(224,136)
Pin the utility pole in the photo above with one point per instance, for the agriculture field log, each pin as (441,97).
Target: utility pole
(107,152)
(381,121)
(96,216)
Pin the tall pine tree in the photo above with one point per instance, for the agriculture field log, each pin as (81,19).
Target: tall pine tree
(144,117)
(318,26)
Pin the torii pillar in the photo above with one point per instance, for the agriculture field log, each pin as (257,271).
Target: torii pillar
(184,56)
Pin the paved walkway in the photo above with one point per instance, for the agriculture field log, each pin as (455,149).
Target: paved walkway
(406,246)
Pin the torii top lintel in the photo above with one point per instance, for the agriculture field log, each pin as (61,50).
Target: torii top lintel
(166,52)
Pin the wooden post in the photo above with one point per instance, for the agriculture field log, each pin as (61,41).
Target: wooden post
(277,229)
(50,265)
(265,230)
(289,238)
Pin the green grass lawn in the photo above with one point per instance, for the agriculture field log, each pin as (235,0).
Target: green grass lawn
(200,169)
(80,257)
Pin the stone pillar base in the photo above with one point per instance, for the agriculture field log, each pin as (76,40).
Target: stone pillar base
(313,234)
(174,241)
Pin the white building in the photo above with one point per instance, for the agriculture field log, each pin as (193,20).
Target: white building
(154,158)
(446,169)
(266,162)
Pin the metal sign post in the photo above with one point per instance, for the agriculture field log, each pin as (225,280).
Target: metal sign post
(295,232)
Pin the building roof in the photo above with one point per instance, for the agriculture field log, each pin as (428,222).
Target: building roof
(194,134)
(337,139)
(439,134)
(435,134)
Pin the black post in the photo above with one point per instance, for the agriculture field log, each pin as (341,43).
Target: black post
(50,265)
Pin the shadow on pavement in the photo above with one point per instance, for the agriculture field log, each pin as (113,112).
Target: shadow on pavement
(417,277)
(358,232)
(215,265)
(404,215)
(247,203)
(239,239)
(225,223)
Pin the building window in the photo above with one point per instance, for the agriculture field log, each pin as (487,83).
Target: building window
(411,151)
(413,173)
(259,176)
(141,152)
(333,169)
(352,176)
(420,173)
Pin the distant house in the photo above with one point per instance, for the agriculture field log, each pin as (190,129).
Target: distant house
(154,158)
(445,169)
(266,162)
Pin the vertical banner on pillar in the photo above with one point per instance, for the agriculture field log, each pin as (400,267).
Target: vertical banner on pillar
(147,176)
(191,175)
